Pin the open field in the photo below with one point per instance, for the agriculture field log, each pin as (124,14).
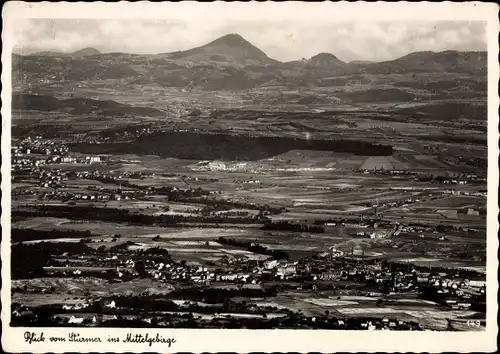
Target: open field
(69,291)
(198,243)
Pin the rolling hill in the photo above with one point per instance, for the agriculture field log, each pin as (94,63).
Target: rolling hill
(85,52)
(447,61)
(232,63)
(76,54)
(80,106)
(326,61)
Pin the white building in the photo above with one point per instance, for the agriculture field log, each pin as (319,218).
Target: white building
(73,319)
(270,264)
(111,305)
(335,252)
(93,159)
(68,159)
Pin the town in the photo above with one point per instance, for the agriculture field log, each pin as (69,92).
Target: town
(343,276)
(350,285)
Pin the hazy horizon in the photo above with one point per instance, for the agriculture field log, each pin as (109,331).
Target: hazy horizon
(283,41)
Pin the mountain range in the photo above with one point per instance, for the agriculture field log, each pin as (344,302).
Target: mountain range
(230,62)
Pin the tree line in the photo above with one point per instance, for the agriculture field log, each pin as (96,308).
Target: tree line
(295,227)
(199,146)
(20,235)
(125,216)
(254,247)
(28,261)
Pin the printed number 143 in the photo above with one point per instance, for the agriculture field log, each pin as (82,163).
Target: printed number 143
(474,323)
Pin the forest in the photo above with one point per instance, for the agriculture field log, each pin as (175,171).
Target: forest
(198,146)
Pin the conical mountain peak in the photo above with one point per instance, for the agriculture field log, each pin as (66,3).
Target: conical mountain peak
(231,39)
(325,60)
(228,48)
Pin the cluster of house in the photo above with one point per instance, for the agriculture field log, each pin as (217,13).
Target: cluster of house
(455,192)
(38,145)
(373,234)
(26,163)
(463,179)
(55,152)
(363,324)
(124,134)
(385,172)
(19,163)
(459,294)
(78,319)
(387,228)
(315,269)
(71,315)
(378,324)
(249,181)
(97,175)
(237,270)
(400,203)
(389,324)
(159,270)
(220,166)
(282,269)
(454,179)
(52,178)
(81,160)
(326,269)
(459,289)
(61,194)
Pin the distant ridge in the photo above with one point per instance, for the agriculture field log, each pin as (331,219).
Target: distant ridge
(233,48)
(428,61)
(77,54)
(49,54)
(233,63)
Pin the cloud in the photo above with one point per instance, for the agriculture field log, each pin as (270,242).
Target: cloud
(282,40)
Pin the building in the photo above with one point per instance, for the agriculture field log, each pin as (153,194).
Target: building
(92,159)
(271,264)
(73,319)
(330,275)
(287,269)
(227,277)
(68,159)
(216,165)
(380,234)
(335,252)
(472,212)
(477,283)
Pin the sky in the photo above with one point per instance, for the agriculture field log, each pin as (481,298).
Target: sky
(281,40)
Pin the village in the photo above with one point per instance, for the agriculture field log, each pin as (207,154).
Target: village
(46,173)
(331,271)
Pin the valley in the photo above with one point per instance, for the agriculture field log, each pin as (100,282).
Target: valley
(217,187)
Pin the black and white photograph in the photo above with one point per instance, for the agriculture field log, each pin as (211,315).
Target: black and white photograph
(247,173)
